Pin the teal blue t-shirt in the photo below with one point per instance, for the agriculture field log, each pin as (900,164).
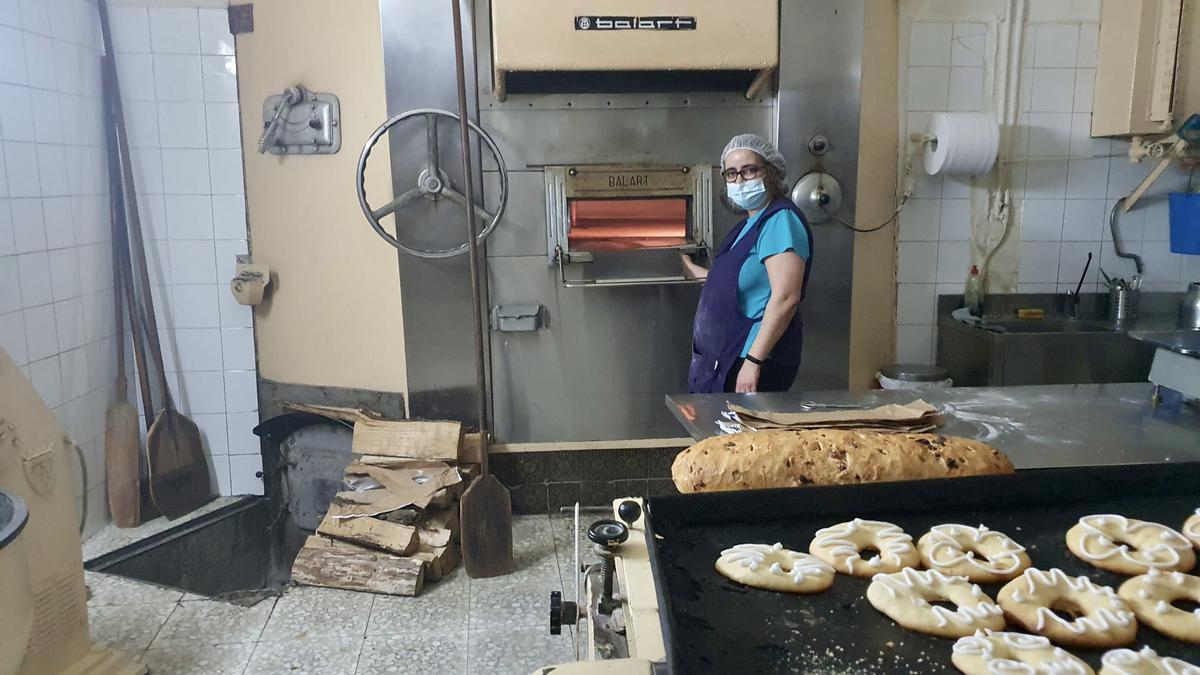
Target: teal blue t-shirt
(783,231)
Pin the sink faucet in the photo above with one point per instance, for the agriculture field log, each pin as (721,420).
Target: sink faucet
(1071,300)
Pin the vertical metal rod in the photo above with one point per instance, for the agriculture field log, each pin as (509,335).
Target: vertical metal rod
(472,246)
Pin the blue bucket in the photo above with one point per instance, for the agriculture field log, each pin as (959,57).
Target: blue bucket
(1185,222)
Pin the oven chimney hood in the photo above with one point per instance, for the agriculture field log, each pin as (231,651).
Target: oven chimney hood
(620,46)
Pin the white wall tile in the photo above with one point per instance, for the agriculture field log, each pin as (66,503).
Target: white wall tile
(35,16)
(956,220)
(919,220)
(152,210)
(243,472)
(220,79)
(1082,143)
(966,90)
(227,252)
(1130,226)
(68,318)
(232,314)
(182,125)
(237,348)
(1053,90)
(915,304)
(917,262)
(39,60)
(59,221)
(225,168)
(242,440)
(1046,179)
(1072,259)
(74,376)
(21,167)
(1119,267)
(229,216)
(224,125)
(202,392)
(1161,264)
(1039,262)
(64,273)
(10,13)
(47,380)
(193,262)
(41,335)
(16,111)
(924,185)
(52,170)
(1057,46)
(28,224)
(95,268)
(954,261)
(195,306)
(1049,134)
(135,74)
(177,78)
(12,56)
(68,67)
(212,432)
(8,244)
(189,217)
(914,344)
(198,349)
(185,172)
(1087,178)
(1124,176)
(956,187)
(929,44)
(928,88)
(1158,219)
(215,37)
(1089,46)
(1083,219)
(10,285)
(241,390)
(147,170)
(99,316)
(219,470)
(174,30)
(130,28)
(1042,220)
(969,44)
(36,288)
(12,337)
(1085,90)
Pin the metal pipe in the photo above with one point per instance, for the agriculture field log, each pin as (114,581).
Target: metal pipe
(1116,237)
(472,245)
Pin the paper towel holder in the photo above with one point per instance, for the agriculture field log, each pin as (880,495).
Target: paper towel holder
(251,281)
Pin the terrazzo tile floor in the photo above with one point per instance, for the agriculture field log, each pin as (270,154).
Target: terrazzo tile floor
(458,625)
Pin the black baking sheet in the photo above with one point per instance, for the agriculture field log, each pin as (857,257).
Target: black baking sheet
(713,625)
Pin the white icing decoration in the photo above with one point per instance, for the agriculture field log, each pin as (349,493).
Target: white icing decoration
(1018,597)
(1192,529)
(1100,620)
(753,556)
(908,579)
(1162,607)
(1144,593)
(982,645)
(892,541)
(1096,545)
(875,561)
(1128,662)
(943,538)
(1177,577)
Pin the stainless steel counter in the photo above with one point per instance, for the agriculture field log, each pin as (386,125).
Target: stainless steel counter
(1036,426)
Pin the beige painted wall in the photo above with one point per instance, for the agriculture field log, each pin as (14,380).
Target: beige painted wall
(873,298)
(333,313)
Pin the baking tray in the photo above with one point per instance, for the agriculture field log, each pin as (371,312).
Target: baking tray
(711,624)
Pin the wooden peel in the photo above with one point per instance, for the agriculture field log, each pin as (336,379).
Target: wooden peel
(486,506)
(179,478)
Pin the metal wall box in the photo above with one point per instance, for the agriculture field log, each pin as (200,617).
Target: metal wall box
(311,127)
(517,318)
(555,36)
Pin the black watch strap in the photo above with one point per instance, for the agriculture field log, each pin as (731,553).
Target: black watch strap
(753,359)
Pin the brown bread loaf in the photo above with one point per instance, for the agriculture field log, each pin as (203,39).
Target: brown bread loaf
(774,459)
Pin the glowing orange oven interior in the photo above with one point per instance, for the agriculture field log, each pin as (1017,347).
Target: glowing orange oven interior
(626,224)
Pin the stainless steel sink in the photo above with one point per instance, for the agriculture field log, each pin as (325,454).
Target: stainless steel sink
(1045,326)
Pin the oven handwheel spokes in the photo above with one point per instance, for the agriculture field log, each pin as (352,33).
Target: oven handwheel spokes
(432,183)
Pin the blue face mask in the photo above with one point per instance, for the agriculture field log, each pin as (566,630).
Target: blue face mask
(748,195)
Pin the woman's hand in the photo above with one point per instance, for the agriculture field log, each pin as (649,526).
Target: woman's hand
(690,269)
(747,379)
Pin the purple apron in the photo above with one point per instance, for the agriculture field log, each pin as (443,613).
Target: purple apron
(721,329)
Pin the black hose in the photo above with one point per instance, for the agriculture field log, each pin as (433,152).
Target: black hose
(1113,217)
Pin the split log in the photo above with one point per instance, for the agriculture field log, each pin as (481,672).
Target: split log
(371,532)
(438,561)
(338,565)
(417,440)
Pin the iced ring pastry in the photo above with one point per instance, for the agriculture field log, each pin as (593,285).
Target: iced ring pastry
(981,555)
(1144,662)
(1099,617)
(842,545)
(1128,546)
(1191,528)
(1151,596)
(774,568)
(989,652)
(907,597)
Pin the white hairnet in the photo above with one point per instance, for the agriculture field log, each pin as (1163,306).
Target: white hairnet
(757,144)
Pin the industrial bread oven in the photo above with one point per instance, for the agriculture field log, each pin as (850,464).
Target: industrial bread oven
(599,124)
(626,210)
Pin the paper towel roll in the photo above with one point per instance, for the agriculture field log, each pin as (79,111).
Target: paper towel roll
(964,143)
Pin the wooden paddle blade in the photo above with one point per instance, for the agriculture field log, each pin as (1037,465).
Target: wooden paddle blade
(487,542)
(179,478)
(121,464)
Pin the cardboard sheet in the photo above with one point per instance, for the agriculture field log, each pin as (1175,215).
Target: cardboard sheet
(917,416)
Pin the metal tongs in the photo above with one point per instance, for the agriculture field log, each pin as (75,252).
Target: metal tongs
(1132,284)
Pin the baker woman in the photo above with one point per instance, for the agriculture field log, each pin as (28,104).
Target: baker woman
(748,332)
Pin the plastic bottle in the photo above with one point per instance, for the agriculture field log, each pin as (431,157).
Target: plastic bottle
(973,294)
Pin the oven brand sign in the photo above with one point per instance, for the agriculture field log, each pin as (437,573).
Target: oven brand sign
(628,180)
(635,23)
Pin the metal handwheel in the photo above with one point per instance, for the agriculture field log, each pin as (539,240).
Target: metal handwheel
(432,183)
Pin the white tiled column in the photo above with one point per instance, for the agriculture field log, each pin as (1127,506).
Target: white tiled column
(186,124)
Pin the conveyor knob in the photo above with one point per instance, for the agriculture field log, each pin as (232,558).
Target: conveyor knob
(560,610)
(629,511)
(608,533)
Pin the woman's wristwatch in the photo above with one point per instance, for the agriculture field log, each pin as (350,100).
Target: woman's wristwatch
(753,359)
